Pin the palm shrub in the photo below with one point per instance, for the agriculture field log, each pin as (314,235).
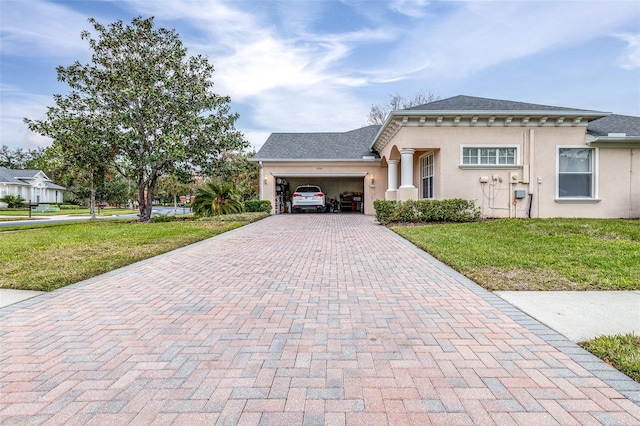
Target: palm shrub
(215,199)
(12,201)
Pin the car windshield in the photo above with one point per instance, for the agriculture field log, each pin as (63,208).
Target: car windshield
(308,189)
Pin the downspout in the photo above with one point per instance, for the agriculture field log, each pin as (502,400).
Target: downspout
(532,174)
(261,180)
(630,183)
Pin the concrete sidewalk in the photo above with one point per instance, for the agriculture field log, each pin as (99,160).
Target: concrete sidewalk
(581,315)
(296,319)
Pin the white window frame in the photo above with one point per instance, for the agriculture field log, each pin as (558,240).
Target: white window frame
(423,176)
(595,182)
(516,165)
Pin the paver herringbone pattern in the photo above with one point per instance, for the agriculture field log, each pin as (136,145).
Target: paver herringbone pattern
(304,319)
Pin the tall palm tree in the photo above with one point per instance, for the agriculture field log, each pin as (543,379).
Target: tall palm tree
(216,199)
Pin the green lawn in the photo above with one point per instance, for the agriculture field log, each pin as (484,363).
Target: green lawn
(537,254)
(48,256)
(621,352)
(107,211)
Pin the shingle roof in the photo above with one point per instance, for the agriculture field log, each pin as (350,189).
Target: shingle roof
(615,123)
(16,177)
(472,103)
(10,176)
(352,145)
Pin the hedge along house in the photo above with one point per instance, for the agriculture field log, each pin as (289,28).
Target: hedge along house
(513,159)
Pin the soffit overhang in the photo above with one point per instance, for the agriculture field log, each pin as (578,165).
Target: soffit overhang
(498,118)
(615,142)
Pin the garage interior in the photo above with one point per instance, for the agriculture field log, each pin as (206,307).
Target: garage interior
(342,194)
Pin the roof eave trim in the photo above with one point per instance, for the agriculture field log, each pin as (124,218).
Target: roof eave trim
(500,112)
(315,160)
(615,142)
(376,146)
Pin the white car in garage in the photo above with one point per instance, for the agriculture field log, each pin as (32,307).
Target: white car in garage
(308,197)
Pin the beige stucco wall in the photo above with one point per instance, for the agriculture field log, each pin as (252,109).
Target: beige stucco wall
(324,174)
(617,170)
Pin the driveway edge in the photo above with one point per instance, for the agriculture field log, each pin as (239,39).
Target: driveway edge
(600,369)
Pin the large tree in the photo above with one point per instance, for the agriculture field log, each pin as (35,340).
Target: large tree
(379,112)
(147,107)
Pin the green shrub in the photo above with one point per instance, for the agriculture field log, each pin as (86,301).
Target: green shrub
(257,206)
(12,201)
(452,210)
(384,210)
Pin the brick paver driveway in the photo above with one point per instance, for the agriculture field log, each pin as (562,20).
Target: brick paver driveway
(314,319)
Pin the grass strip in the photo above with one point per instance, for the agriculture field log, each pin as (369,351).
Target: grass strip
(106,211)
(621,352)
(49,256)
(537,254)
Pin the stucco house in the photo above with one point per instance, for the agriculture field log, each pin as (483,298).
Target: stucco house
(30,185)
(513,159)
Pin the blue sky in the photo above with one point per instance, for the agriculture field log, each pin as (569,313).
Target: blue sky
(307,66)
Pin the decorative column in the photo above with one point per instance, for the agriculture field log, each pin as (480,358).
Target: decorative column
(407,190)
(392,180)
(407,167)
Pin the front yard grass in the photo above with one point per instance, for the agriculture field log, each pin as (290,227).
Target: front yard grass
(545,254)
(49,256)
(537,254)
(80,211)
(621,352)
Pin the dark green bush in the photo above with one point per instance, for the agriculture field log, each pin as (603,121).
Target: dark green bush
(257,206)
(416,211)
(13,201)
(384,210)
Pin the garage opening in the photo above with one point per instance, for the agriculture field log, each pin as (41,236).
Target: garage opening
(342,194)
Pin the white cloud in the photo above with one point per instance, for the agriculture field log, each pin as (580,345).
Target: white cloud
(479,34)
(15,107)
(412,8)
(39,28)
(630,58)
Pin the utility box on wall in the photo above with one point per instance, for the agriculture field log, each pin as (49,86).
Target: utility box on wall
(519,194)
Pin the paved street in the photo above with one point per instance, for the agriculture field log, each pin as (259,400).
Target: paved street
(296,319)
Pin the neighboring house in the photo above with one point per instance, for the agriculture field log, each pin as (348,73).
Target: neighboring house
(30,185)
(513,159)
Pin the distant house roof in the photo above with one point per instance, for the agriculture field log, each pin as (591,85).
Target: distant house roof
(21,177)
(10,176)
(352,145)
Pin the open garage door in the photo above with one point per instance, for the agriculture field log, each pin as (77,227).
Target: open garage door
(342,193)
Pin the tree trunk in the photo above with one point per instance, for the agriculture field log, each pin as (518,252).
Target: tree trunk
(142,204)
(92,200)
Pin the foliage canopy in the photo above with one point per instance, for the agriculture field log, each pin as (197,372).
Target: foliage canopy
(143,105)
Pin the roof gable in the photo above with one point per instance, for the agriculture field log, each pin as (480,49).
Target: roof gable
(351,145)
(21,177)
